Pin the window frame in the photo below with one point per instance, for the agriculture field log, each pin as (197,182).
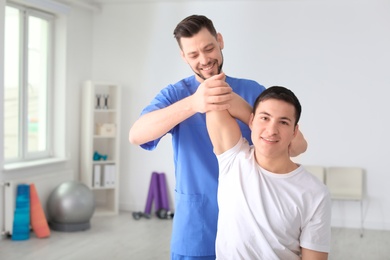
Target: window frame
(23,154)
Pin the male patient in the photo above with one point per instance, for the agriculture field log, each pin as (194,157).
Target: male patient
(269,207)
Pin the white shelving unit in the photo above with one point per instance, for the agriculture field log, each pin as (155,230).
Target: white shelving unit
(100,166)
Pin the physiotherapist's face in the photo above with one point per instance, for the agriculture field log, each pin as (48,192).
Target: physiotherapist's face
(203,53)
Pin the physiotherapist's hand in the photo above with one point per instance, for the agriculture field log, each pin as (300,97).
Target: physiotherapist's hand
(298,145)
(212,94)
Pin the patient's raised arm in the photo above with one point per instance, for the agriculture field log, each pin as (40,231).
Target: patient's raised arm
(222,126)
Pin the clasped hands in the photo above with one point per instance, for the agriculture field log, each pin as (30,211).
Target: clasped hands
(212,94)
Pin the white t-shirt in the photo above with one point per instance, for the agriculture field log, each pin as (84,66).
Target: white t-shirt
(268,216)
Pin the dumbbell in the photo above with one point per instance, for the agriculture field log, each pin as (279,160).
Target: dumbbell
(139,214)
(164,214)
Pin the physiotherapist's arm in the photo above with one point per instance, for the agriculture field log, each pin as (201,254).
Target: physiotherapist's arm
(212,94)
(155,124)
(298,145)
(240,109)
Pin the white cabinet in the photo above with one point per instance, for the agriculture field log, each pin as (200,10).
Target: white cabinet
(100,168)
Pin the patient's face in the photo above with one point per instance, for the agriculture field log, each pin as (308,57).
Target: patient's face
(273,128)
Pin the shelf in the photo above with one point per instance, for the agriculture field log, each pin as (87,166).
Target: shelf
(103,188)
(102,136)
(100,129)
(104,110)
(103,162)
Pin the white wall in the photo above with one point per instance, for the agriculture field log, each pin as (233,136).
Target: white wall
(79,69)
(2,14)
(333,54)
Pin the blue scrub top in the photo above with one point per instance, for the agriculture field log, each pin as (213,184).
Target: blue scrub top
(196,168)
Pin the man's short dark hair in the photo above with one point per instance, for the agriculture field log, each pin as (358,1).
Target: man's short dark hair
(191,25)
(283,94)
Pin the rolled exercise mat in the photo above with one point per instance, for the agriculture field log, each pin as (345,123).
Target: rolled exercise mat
(163,192)
(21,224)
(38,219)
(152,194)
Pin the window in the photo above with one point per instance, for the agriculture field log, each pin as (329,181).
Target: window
(27,84)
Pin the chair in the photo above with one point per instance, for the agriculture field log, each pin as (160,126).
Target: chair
(346,183)
(317,171)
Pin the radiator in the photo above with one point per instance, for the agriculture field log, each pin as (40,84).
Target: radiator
(44,184)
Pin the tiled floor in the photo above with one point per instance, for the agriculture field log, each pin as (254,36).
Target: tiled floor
(122,237)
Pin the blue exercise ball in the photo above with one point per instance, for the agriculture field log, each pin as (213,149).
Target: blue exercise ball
(70,207)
